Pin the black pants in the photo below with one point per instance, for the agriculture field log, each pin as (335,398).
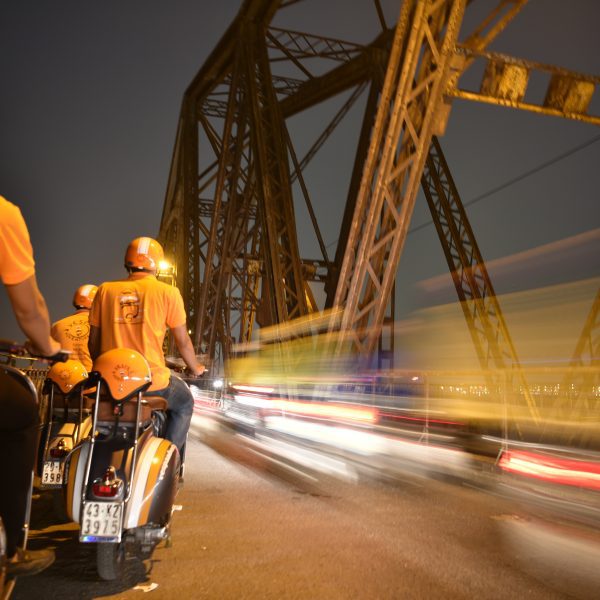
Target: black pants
(18,442)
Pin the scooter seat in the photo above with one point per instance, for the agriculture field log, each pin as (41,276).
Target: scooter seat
(156,402)
(106,410)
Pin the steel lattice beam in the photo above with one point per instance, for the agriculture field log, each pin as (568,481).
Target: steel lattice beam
(476,294)
(273,181)
(583,377)
(505,82)
(417,73)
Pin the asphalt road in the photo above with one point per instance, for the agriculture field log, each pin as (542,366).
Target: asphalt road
(245,533)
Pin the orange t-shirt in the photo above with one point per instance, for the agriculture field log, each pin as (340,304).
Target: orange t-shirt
(16,253)
(135,313)
(73,333)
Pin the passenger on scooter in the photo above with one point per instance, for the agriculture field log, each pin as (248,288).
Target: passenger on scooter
(73,331)
(135,313)
(18,413)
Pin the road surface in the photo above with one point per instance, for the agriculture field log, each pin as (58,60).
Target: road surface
(244,533)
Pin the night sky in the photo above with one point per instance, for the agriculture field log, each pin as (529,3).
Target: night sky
(88,110)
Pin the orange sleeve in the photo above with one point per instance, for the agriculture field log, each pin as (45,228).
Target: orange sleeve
(16,253)
(176,314)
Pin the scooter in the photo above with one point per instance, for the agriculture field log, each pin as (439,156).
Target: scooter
(121,481)
(68,421)
(11,353)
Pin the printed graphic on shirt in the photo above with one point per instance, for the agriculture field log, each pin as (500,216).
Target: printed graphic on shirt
(78,330)
(130,307)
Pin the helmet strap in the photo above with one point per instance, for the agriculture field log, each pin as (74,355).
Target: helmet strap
(140,270)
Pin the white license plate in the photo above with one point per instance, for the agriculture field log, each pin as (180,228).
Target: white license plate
(101,521)
(52,473)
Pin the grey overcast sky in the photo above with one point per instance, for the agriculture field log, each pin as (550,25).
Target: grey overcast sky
(90,96)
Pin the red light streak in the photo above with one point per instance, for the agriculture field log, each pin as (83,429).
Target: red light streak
(418,419)
(557,470)
(254,388)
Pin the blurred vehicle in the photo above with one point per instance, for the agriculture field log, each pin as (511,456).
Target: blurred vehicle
(371,422)
(556,482)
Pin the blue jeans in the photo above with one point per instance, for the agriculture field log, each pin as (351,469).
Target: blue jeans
(179,413)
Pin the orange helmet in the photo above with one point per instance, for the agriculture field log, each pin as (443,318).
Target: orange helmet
(143,253)
(124,371)
(67,375)
(84,296)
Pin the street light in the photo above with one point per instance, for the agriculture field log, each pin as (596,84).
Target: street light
(165,267)
(166,274)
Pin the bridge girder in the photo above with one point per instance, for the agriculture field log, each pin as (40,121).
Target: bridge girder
(228,216)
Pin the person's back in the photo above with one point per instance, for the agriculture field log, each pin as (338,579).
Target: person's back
(135,313)
(73,331)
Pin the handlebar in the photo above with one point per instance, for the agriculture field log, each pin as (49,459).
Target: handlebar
(178,364)
(8,347)
(174,362)
(21,351)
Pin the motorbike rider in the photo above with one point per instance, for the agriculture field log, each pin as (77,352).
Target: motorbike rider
(73,331)
(18,411)
(135,313)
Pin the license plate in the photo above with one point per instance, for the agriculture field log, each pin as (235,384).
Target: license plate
(52,473)
(101,521)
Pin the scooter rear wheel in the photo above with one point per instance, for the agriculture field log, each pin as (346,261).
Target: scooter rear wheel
(110,560)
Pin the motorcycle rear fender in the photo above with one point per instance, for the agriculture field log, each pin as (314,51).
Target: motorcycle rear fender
(154,484)
(75,473)
(113,451)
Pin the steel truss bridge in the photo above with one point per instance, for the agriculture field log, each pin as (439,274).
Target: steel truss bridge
(228,218)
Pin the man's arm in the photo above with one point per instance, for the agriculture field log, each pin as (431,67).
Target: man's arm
(94,342)
(186,349)
(32,316)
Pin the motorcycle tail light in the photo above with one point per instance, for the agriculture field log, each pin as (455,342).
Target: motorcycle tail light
(59,451)
(105,491)
(108,485)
